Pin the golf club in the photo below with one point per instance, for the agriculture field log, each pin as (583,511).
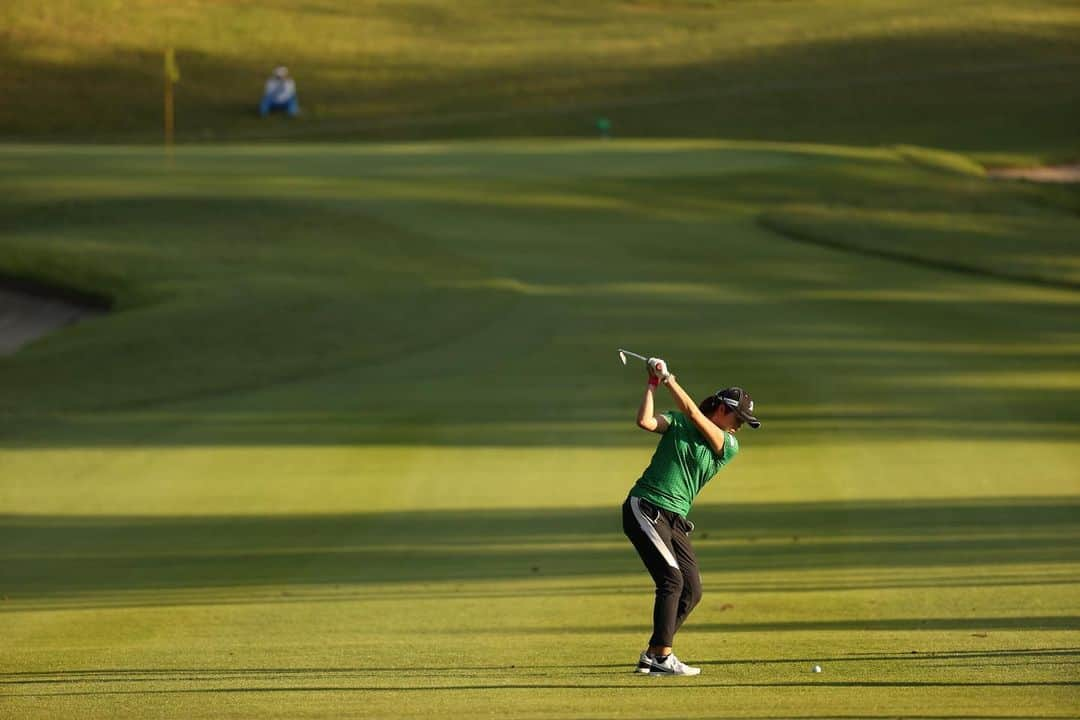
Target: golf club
(624,353)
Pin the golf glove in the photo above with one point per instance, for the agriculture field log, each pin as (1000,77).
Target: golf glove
(659,368)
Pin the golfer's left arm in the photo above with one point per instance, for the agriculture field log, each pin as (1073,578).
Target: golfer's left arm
(713,434)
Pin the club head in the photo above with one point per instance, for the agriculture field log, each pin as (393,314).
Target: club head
(622,356)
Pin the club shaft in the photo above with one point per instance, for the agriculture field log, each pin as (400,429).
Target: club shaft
(642,358)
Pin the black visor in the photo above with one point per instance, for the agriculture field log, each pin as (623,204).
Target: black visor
(739,400)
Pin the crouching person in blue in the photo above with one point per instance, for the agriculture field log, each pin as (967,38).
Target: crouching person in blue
(280,94)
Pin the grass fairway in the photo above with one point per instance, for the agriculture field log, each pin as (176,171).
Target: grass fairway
(354,440)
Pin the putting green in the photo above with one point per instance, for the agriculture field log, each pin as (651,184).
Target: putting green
(992,76)
(355,437)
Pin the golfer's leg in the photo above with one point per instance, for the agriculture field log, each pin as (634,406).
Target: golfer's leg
(651,536)
(691,589)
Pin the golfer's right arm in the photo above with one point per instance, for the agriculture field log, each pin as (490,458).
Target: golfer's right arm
(645,418)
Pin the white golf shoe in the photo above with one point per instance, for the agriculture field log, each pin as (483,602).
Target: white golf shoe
(644,663)
(671,665)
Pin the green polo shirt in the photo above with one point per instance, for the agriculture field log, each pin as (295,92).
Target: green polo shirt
(682,464)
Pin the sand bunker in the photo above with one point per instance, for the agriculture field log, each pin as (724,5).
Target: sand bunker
(1046,174)
(25,317)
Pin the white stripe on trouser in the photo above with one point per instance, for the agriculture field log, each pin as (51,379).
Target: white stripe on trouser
(650,532)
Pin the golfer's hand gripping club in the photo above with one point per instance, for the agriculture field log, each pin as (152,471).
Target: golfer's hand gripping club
(659,368)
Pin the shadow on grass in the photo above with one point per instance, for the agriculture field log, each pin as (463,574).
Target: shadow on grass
(90,682)
(147,681)
(784,227)
(122,561)
(135,675)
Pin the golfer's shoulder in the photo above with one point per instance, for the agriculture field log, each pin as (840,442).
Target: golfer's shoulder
(677,419)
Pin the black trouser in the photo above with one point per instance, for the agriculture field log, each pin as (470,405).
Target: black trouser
(661,538)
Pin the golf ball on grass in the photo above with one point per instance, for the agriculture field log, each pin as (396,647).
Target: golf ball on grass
(815,668)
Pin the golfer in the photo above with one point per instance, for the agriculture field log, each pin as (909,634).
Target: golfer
(696,442)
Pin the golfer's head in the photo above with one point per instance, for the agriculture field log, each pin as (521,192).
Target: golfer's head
(730,408)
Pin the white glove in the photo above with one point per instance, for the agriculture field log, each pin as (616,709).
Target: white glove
(658,368)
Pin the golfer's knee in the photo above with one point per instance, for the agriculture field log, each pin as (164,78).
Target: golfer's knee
(671,583)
